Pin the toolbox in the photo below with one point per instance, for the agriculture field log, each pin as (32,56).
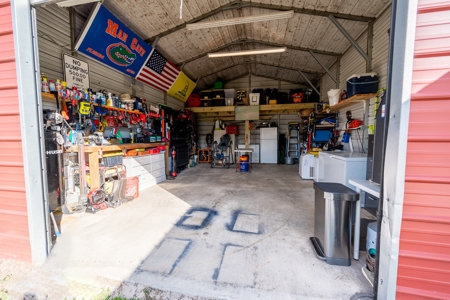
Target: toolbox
(365,83)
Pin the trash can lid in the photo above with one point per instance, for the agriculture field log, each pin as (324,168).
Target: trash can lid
(336,191)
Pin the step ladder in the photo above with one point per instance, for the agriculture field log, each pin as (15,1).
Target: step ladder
(292,140)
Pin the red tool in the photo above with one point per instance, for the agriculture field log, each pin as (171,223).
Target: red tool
(174,153)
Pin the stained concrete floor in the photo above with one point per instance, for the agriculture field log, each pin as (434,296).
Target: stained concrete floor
(211,233)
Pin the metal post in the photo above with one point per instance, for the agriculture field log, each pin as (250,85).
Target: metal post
(182,66)
(369,47)
(323,66)
(249,82)
(72,25)
(310,83)
(348,36)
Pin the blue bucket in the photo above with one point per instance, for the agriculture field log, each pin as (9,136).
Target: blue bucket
(244,166)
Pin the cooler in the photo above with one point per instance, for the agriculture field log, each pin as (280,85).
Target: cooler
(365,83)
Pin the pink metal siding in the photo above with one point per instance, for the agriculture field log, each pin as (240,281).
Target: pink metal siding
(14,235)
(424,259)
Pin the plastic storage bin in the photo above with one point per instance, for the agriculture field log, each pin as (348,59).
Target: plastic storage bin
(332,226)
(229,101)
(322,136)
(218,94)
(365,83)
(218,85)
(230,93)
(254,98)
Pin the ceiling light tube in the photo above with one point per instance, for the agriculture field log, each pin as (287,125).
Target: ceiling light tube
(247,52)
(241,20)
(68,3)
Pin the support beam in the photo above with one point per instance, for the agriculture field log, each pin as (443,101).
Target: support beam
(247,4)
(72,25)
(258,63)
(348,36)
(307,80)
(155,42)
(247,134)
(338,71)
(369,47)
(265,43)
(323,66)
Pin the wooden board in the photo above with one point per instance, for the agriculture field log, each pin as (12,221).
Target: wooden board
(120,147)
(352,100)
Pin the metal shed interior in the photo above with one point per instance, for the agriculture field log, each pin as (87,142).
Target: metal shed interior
(309,33)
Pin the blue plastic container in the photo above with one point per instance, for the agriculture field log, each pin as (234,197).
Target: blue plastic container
(362,84)
(322,136)
(244,166)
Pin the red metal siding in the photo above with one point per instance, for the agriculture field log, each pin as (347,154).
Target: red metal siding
(14,235)
(424,258)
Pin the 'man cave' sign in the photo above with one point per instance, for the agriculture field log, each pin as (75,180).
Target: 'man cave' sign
(107,39)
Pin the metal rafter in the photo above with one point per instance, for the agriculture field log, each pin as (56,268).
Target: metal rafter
(246,4)
(257,63)
(251,41)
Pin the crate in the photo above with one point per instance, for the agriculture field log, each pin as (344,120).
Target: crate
(218,85)
(218,102)
(206,103)
(206,94)
(112,160)
(232,129)
(215,94)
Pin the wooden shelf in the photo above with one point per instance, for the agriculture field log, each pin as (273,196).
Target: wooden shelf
(119,147)
(352,100)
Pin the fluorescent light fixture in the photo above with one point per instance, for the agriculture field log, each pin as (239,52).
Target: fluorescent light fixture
(247,52)
(241,20)
(68,3)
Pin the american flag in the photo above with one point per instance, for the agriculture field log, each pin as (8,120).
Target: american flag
(158,72)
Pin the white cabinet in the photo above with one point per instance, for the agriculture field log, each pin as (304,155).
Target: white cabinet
(151,169)
(268,145)
(340,167)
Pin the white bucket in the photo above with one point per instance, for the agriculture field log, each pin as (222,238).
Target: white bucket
(371,240)
(333,96)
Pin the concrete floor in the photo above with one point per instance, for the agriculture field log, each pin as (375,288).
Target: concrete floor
(211,233)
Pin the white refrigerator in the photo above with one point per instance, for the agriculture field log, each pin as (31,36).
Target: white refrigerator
(268,145)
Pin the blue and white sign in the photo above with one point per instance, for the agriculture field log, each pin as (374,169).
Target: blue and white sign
(109,41)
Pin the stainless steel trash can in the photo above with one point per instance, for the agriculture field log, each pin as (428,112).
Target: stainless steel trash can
(332,223)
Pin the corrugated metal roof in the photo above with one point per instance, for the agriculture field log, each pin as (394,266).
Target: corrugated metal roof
(424,260)
(309,28)
(14,235)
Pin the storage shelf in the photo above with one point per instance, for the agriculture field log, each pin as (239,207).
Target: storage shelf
(352,100)
(325,126)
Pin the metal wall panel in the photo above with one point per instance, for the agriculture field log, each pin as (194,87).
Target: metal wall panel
(424,258)
(54,40)
(326,83)
(14,233)
(380,46)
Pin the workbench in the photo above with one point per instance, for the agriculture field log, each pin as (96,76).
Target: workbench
(92,152)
